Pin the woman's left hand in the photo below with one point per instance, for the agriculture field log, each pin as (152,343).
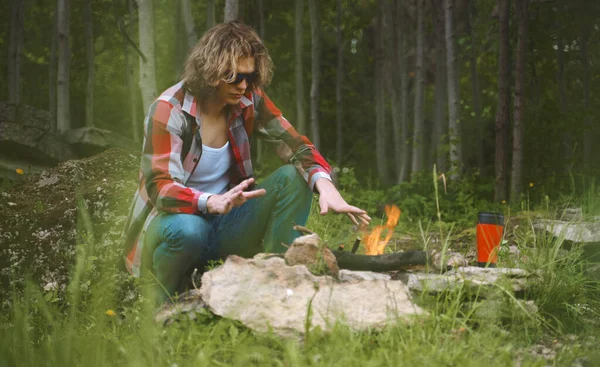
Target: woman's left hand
(330,198)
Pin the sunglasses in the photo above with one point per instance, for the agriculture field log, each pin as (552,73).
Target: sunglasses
(250,78)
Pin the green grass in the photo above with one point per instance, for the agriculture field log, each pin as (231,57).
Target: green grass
(72,327)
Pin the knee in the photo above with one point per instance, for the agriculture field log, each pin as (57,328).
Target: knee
(291,177)
(188,233)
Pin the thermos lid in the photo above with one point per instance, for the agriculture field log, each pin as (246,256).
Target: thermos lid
(490,218)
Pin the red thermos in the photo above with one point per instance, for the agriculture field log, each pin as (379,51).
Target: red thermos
(489,236)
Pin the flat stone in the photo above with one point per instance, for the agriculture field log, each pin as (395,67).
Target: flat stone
(269,295)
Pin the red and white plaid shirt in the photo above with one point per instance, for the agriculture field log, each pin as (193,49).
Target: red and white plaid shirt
(173,146)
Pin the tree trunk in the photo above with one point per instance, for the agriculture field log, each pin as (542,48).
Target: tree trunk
(454,135)
(147,70)
(15,50)
(316,73)
(441,81)
(261,32)
(381,134)
(232,8)
(587,122)
(131,86)
(404,161)
(210,14)
(480,129)
(52,66)
(89,54)
(339,108)
(518,125)
(63,117)
(299,42)
(562,92)
(502,113)
(418,142)
(188,21)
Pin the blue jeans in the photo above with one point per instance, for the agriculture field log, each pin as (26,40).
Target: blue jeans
(178,243)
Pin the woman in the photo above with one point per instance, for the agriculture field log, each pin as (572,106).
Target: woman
(196,199)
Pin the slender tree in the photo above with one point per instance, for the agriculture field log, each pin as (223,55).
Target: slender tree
(299,43)
(188,21)
(133,92)
(52,68)
(562,95)
(210,13)
(316,72)
(502,112)
(516,183)
(587,122)
(232,8)
(441,80)
(339,107)
(15,50)
(418,150)
(261,31)
(401,139)
(380,130)
(63,116)
(91,70)
(147,79)
(454,131)
(480,127)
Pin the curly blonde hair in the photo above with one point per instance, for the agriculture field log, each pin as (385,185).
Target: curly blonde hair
(215,57)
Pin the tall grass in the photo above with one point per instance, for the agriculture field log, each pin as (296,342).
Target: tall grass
(461,328)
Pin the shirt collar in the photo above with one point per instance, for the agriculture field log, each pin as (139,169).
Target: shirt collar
(190,104)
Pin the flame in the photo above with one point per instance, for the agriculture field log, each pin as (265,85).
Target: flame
(373,243)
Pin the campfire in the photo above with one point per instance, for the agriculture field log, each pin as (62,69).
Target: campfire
(374,245)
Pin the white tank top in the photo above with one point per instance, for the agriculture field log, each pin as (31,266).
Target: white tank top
(211,174)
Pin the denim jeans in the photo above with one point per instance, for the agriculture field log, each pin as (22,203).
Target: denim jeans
(178,243)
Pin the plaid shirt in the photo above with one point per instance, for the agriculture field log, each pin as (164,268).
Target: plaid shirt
(173,146)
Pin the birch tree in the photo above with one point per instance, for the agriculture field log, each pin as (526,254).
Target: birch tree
(52,68)
(63,116)
(232,8)
(518,124)
(15,50)
(453,92)
(339,79)
(188,22)
(417,151)
(210,13)
(131,86)
(147,79)
(299,43)
(89,55)
(502,112)
(316,72)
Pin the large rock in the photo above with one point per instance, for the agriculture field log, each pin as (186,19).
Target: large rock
(87,141)
(26,141)
(269,295)
(580,232)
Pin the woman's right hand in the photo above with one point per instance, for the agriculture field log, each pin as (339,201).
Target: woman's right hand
(222,204)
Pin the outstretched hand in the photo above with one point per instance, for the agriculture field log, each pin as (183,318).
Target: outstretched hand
(222,204)
(330,199)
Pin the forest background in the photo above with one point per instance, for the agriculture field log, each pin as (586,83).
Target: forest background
(499,92)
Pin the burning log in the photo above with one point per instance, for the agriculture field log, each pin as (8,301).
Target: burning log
(378,263)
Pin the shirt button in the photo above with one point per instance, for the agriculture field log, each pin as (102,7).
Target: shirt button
(195,160)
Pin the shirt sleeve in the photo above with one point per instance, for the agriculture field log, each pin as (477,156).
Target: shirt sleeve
(292,147)
(162,166)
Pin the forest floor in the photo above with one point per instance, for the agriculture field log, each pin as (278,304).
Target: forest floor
(103,317)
